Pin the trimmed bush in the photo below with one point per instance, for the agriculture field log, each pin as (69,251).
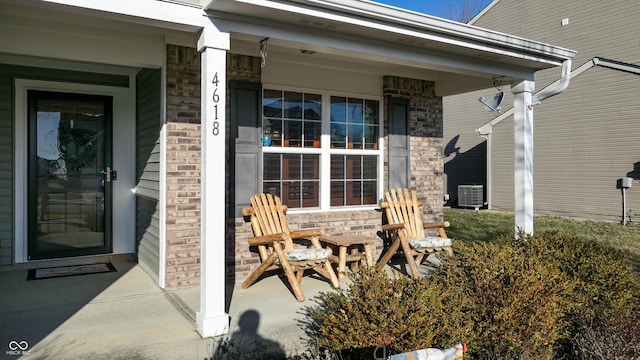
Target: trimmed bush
(379,309)
(540,297)
(518,300)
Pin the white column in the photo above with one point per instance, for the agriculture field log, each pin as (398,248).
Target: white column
(212,319)
(523,154)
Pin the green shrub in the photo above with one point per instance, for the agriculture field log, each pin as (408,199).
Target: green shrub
(604,279)
(380,309)
(518,300)
(539,297)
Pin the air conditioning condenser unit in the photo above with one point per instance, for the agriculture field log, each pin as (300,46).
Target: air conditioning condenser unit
(470,196)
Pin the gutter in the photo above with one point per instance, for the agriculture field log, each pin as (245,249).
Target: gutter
(617,65)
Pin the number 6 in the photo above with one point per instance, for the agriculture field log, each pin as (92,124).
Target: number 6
(216,97)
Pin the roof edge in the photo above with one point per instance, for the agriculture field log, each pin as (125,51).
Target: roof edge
(365,10)
(483,11)
(378,11)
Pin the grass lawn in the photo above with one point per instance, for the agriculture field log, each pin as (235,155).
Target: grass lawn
(489,225)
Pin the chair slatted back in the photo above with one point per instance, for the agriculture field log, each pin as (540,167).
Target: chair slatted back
(404,207)
(269,218)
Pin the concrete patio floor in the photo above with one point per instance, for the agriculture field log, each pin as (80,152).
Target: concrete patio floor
(125,315)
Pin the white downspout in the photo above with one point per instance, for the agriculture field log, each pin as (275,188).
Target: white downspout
(562,85)
(489,167)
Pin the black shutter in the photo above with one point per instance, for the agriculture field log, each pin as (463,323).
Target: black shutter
(399,143)
(245,110)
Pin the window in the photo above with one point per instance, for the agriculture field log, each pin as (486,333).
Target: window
(293,177)
(353,180)
(304,130)
(354,123)
(291,119)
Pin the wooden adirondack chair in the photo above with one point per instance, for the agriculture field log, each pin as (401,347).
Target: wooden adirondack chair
(276,247)
(407,231)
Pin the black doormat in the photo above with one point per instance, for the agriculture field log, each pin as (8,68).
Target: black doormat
(74,270)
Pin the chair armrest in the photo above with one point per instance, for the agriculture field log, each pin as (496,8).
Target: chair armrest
(303,234)
(440,225)
(437,224)
(265,239)
(248,211)
(309,234)
(385,204)
(391,227)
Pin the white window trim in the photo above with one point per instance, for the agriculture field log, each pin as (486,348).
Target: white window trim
(124,201)
(325,151)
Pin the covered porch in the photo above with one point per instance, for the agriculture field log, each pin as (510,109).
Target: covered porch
(405,61)
(200,78)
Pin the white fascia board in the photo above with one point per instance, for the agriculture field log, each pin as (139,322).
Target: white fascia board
(154,10)
(384,18)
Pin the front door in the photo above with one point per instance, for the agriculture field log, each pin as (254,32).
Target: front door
(70,174)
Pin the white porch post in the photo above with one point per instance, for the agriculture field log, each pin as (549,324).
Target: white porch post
(212,320)
(523,154)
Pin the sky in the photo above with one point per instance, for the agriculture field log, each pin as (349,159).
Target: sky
(431,7)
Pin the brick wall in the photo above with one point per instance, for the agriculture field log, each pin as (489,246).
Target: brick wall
(242,261)
(183,167)
(183,159)
(427,161)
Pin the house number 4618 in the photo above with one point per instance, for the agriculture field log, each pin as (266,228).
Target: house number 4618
(216,99)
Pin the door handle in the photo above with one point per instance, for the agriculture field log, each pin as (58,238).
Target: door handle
(107,174)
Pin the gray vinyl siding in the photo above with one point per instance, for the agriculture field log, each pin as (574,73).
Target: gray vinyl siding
(502,163)
(596,28)
(7,75)
(585,145)
(6,168)
(465,151)
(585,138)
(148,122)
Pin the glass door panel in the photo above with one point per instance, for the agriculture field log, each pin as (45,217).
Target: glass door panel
(70,174)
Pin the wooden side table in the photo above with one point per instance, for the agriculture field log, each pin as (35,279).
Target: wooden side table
(350,244)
